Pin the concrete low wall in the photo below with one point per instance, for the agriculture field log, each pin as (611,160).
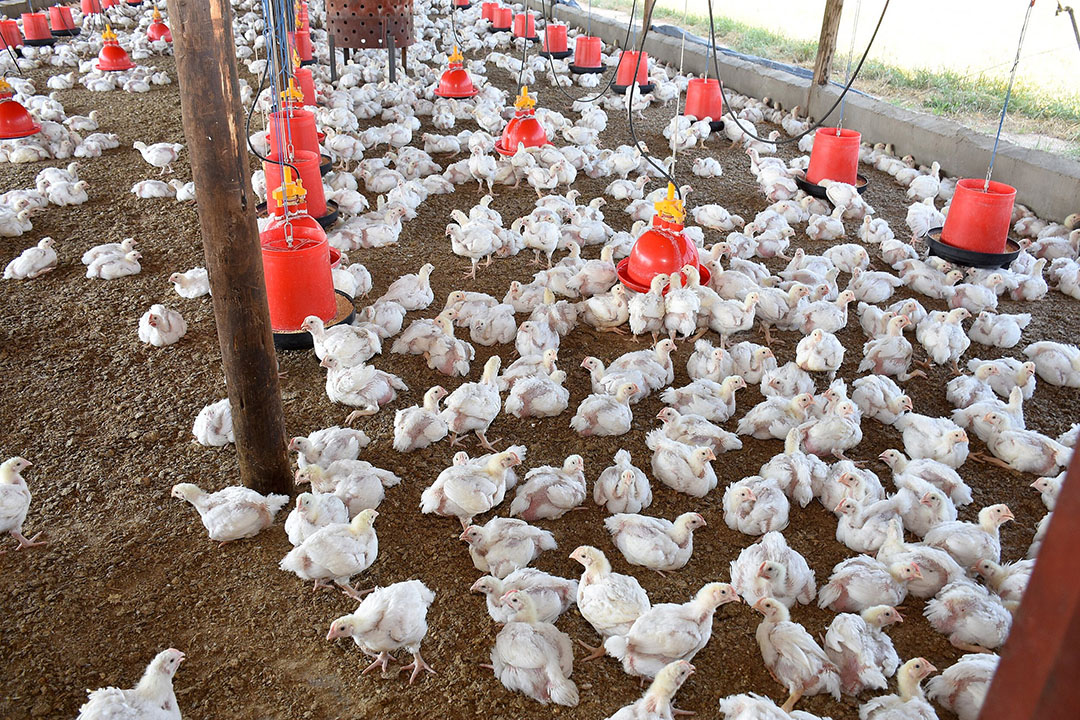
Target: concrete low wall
(1049,184)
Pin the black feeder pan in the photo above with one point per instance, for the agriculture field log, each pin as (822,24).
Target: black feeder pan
(40,42)
(301,339)
(326,164)
(643,89)
(819,191)
(73,32)
(557,55)
(579,70)
(970,258)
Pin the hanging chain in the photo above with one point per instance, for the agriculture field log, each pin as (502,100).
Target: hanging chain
(850,57)
(678,97)
(1008,94)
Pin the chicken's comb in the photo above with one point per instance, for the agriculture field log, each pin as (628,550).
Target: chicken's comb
(456,57)
(291,190)
(108,34)
(525,101)
(670,208)
(292,93)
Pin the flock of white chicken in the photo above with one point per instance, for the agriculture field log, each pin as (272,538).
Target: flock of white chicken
(957,565)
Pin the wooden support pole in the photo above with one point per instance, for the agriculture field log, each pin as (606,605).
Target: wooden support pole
(212,116)
(1038,677)
(830,25)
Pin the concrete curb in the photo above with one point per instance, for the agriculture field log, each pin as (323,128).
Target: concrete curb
(1049,184)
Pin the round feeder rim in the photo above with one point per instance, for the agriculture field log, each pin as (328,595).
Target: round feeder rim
(558,55)
(326,164)
(40,42)
(818,191)
(643,89)
(331,215)
(494,29)
(534,38)
(507,153)
(305,63)
(630,284)
(474,93)
(73,32)
(466,6)
(301,339)
(579,70)
(35,131)
(971,258)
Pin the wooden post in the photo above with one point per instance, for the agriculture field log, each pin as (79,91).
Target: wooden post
(216,143)
(1040,664)
(830,25)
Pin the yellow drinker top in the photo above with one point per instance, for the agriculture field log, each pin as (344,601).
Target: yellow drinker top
(525,101)
(156,16)
(456,57)
(294,191)
(670,208)
(292,93)
(108,34)
(5,87)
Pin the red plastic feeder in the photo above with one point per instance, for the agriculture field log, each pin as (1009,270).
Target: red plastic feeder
(307,165)
(523,128)
(501,19)
(462,4)
(90,7)
(9,33)
(15,120)
(302,44)
(455,81)
(587,55)
(61,21)
(979,219)
(704,100)
(663,248)
(555,42)
(109,3)
(525,26)
(487,10)
(306,82)
(835,156)
(158,30)
(296,262)
(303,17)
(112,57)
(295,125)
(624,74)
(134,3)
(36,29)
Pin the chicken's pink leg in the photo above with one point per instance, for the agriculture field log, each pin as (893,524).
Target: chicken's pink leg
(417,666)
(381,661)
(594,652)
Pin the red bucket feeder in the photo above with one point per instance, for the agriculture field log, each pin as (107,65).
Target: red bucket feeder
(455,81)
(296,262)
(835,156)
(36,30)
(295,124)
(704,100)
(525,26)
(90,7)
(112,57)
(523,128)
(306,82)
(302,44)
(624,74)
(663,248)
(158,30)
(555,42)
(61,21)
(462,4)
(587,56)
(307,165)
(15,121)
(979,219)
(501,19)
(9,33)
(487,10)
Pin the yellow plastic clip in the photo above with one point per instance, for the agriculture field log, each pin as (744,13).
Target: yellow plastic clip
(456,57)
(291,190)
(108,34)
(525,101)
(295,59)
(670,208)
(156,17)
(5,87)
(292,93)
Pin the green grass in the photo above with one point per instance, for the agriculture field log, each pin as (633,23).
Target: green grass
(941,92)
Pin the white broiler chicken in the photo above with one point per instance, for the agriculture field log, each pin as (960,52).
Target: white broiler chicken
(358,483)
(473,406)
(755,505)
(361,386)
(32,262)
(213,425)
(389,619)
(605,415)
(160,326)
(534,657)
(549,492)
(231,513)
(503,545)
(970,542)
(538,396)
(770,568)
(861,651)
(15,501)
(349,344)
(937,568)
(669,632)
(962,687)
(313,511)
(792,656)
(325,446)
(973,618)
(608,601)
(1007,581)
(471,487)
(419,426)
(160,155)
(111,267)
(152,698)
(336,552)
(683,468)
(933,438)
(862,582)
(653,542)
(657,702)
(621,487)
(551,595)
(191,284)
(909,704)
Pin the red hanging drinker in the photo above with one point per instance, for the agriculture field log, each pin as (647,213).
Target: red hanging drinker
(523,128)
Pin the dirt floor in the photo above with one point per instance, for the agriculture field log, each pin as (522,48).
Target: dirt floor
(128,571)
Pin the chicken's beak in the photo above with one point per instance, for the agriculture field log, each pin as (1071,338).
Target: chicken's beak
(29,464)
(464,534)
(332,634)
(324,363)
(1035,484)
(1009,515)
(898,615)
(760,606)
(925,499)
(930,668)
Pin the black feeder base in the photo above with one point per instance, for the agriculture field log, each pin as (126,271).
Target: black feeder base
(971,258)
(325,221)
(557,55)
(643,89)
(73,32)
(326,164)
(301,339)
(819,191)
(40,42)
(579,70)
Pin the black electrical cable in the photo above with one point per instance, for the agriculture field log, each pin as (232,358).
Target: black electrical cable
(645,25)
(611,77)
(815,126)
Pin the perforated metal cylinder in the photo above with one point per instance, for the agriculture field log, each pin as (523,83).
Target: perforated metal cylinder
(364,24)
